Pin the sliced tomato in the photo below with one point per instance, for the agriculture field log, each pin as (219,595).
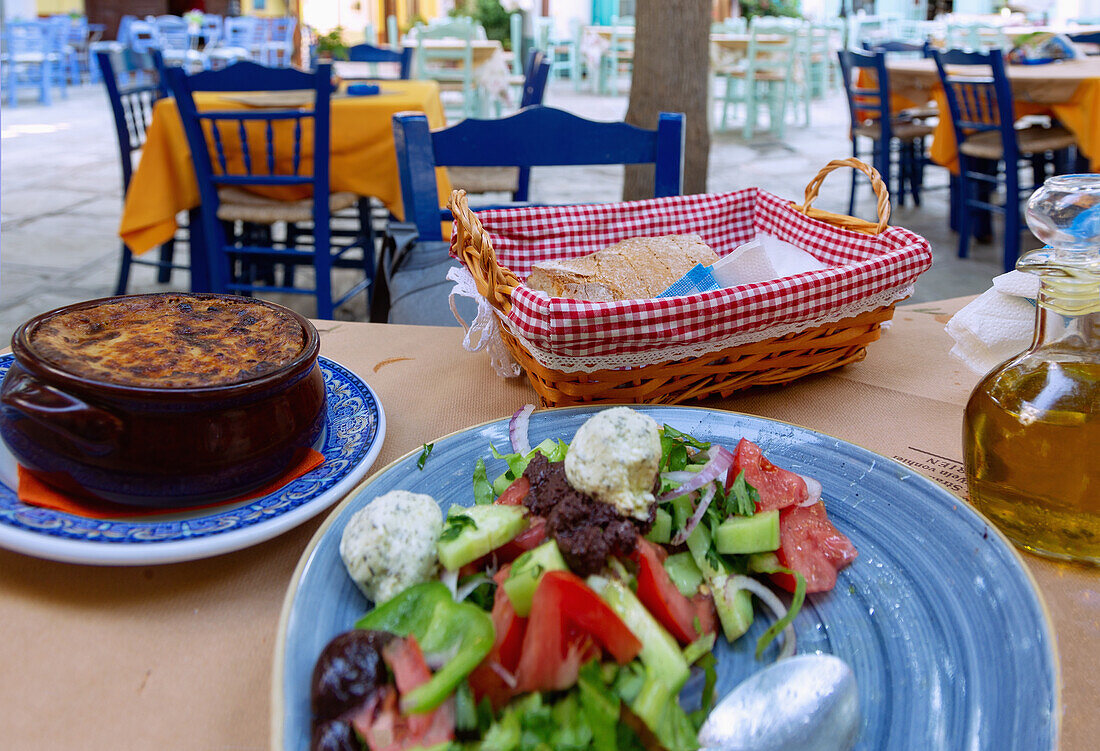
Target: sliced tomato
(514,494)
(660,596)
(778,488)
(703,605)
(812,546)
(486,680)
(567,626)
(380,722)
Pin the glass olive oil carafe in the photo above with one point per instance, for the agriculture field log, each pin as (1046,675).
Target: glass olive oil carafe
(1031,432)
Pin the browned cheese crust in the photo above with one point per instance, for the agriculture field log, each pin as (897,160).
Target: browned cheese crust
(169,341)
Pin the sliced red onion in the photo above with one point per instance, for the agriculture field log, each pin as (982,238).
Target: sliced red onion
(771,599)
(517,429)
(508,678)
(719,461)
(436,660)
(814,486)
(693,522)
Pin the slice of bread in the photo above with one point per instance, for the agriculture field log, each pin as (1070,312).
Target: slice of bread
(634,268)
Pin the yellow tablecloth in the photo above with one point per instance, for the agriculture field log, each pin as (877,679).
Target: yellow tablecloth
(1070,91)
(363,157)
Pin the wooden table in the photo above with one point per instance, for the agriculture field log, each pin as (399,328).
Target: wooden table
(180,656)
(1069,90)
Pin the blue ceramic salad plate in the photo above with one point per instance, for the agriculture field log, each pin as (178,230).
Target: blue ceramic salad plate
(938,616)
(355,427)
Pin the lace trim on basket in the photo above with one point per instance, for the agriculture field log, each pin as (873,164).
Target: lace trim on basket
(589,364)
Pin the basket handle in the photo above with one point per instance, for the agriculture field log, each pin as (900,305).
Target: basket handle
(474,248)
(882,193)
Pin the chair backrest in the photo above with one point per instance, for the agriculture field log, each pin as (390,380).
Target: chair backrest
(123,34)
(281,29)
(533,137)
(868,94)
(256,147)
(240,31)
(515,35)
(133,85)
(173,33)
(27,38)
(393,35)
(368,53)
(733,25)
(211,29)
(535,74)
(979,100)
(774,55)
(143,36)
(427,57)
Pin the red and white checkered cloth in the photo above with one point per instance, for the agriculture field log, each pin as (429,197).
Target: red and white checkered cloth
(861,266)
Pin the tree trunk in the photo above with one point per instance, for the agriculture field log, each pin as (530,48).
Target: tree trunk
(671,74)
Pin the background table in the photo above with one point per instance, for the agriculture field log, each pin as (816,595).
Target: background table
(180,656)
(1069,90)
(363,157)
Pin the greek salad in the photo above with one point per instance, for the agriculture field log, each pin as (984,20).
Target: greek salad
(566,602)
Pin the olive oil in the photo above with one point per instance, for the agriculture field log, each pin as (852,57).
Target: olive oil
(1032,441)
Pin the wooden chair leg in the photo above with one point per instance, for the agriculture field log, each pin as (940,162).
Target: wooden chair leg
(1012,217)
(964,213)
(167,252)
(124,271)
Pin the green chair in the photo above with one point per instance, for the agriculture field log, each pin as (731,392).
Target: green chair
(619,56)
(393,36)
(765,75)
(452,68)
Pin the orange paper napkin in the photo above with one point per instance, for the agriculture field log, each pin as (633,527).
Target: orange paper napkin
(34,492)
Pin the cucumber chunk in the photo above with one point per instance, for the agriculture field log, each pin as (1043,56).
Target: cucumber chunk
(660,653)
(527,571)
(684,573)
(471,532)
(661,532)
(734,607)
(758,533)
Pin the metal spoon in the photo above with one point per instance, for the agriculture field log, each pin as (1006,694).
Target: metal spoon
(804,702)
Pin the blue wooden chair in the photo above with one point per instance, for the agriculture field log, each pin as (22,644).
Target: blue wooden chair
(264,148)
(31,58)
(412,286)
(133,86)
(1086,37)
(368,53)
(871,117)
(983,118)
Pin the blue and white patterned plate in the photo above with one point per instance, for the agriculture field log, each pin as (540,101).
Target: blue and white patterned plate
(355,427)
(938,616)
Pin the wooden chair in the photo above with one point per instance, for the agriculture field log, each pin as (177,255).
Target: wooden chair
(415,257)
(133,86)
(767,71)
(263,148)
(278,47)
(514,180)
(452,68)
(990,147)
(30,59)
(367,53)
(867,85)
(619,57)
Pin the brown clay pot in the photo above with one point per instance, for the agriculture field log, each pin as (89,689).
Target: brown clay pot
(166,447)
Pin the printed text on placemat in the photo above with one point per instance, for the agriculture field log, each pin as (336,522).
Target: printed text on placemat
(947,472)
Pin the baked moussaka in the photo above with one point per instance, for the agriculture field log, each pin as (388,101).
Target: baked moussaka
(170,341)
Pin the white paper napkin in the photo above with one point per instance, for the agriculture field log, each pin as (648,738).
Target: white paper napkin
(761,259)
(998,324)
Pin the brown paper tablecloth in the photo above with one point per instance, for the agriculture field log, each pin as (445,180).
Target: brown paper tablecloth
(179,656)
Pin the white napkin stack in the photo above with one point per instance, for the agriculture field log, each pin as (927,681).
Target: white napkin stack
(761,259)
(998,324)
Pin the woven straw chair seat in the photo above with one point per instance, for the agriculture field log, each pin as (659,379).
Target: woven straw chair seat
(761,75)
(237,204)
(987,145)
(485,179)
(906,131)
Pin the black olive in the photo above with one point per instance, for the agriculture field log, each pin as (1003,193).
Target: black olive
(334,735)
(349,669)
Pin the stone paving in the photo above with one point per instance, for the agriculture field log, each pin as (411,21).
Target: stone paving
(60,199)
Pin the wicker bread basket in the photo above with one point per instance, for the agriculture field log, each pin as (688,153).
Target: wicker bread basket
(769,361)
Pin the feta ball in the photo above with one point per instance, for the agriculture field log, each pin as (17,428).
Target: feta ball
(614,458)
(391,543)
